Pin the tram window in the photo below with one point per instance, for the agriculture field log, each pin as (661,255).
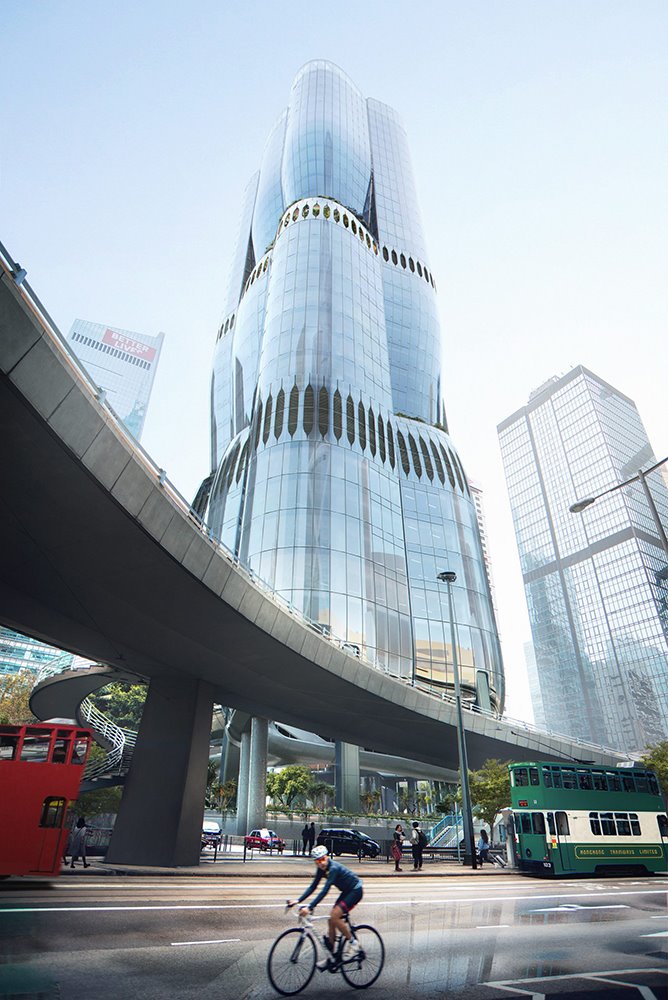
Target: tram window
(521,776)
(569,778)
(614,784)
(608,825)
(584,780)
(641,783)
(653,784)
(550,824)
(600,784)
(547,777)
(525,823)
(563,828)
(533,776)
(79,752)
(35,749)
(635,824)
(556,777)
(628,782)
(53,811)
(662,820)
(538,822)
(60,748)
(623,825)
(8,747)
(595,824)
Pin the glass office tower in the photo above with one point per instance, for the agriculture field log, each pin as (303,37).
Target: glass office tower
(596,583)
(335,479)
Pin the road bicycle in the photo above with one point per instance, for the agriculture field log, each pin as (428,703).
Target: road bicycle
(293,956)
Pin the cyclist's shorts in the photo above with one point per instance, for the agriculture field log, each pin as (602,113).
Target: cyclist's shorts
(348,900)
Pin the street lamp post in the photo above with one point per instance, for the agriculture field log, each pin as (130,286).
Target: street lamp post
(448,577)
(640,477)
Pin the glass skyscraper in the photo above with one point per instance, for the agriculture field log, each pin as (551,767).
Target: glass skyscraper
(334,477)
(596,583)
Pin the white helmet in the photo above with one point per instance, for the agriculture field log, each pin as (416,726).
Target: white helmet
(319,852)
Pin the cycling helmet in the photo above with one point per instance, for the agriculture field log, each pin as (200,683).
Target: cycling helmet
(319,852)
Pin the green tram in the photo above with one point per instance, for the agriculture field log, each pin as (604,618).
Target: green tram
(585,820)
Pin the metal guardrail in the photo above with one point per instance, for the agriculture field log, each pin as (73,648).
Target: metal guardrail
(122,743)
(18,276)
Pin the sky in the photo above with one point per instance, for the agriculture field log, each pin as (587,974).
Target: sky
(538,132)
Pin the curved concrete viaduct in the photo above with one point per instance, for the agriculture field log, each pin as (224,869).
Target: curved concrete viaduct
(100,556)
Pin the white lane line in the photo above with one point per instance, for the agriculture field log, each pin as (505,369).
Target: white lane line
(661,916)
(486,927)
(567,907)
(657,934)
(185,944)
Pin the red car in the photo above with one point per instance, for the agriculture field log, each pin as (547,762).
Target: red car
(264,840)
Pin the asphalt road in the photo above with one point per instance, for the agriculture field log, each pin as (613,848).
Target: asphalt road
(147,938)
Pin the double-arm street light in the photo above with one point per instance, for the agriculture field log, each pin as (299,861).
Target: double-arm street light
(448,577)
(640,477)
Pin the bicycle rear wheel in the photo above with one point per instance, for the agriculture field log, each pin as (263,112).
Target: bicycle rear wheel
(364,969)
(291,962)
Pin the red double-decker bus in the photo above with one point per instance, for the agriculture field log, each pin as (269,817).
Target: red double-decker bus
(41,766)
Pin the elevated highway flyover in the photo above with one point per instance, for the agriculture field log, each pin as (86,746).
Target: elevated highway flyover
(101,556)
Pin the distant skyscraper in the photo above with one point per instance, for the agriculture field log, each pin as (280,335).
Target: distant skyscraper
(477,497)
(596,583)
(534,686)
(334,477)
(121,363)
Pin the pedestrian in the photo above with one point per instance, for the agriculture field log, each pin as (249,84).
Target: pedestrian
(311,837)
(397,844)
(78,842)
(305,838)
(483,847)
(418,844)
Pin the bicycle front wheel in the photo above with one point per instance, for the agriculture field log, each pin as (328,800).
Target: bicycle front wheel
(363,970)
(291,962)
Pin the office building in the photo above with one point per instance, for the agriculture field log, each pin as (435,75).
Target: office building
(596,583)
(334,476)
(123,364)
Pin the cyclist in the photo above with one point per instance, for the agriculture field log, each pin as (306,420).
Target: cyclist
(350,887)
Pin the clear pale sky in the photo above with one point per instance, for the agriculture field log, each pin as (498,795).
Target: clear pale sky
(538,134)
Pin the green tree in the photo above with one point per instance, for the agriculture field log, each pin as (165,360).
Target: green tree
(212,793)
(490,789)
(320,794)
(370,801)
(227,794)
(291,783)
(15,691)
(98,801)
(656,759)
(122,703)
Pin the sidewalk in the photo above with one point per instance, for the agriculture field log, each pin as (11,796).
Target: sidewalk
(232,866)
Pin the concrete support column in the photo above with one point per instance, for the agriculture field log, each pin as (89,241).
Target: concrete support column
(229,760)
(160,816)
(412,795)
(257,778)
(347,777)
(243,784)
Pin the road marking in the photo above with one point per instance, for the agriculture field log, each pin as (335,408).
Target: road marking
(486,927)
(657,934)
(661,916)
(185,944)
(578,906)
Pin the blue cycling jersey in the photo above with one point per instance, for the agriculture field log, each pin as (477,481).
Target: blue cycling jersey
(336,874)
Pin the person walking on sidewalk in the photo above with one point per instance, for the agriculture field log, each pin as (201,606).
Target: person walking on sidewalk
(418,844)
(305,838)
(397,845)
(78,842)
(311,837)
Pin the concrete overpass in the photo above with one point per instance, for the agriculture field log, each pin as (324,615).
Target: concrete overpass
(101,556)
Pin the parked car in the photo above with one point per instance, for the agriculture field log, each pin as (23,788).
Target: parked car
(264,840)
(211,834)
(339,841)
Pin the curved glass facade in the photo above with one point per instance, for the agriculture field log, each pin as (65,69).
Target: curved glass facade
(335,480)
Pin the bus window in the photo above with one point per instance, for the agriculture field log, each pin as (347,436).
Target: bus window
(635,824)
(641,783)
(8,746)
(584,780)
(600,784)
(563,828)
(547,777)
(538,823)
(608,825)
(53,811)
(60,748)
(595,824)
(79,752)
(662,820)
(568,776)
(550,824)
(521,776)
(525,823)
(35,748)
(623,825)
(533,776)
(614,784)
(653,784)
(628,782)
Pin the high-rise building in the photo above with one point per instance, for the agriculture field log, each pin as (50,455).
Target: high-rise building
(334,476)
(596,583)
(477,497)
(123,364)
